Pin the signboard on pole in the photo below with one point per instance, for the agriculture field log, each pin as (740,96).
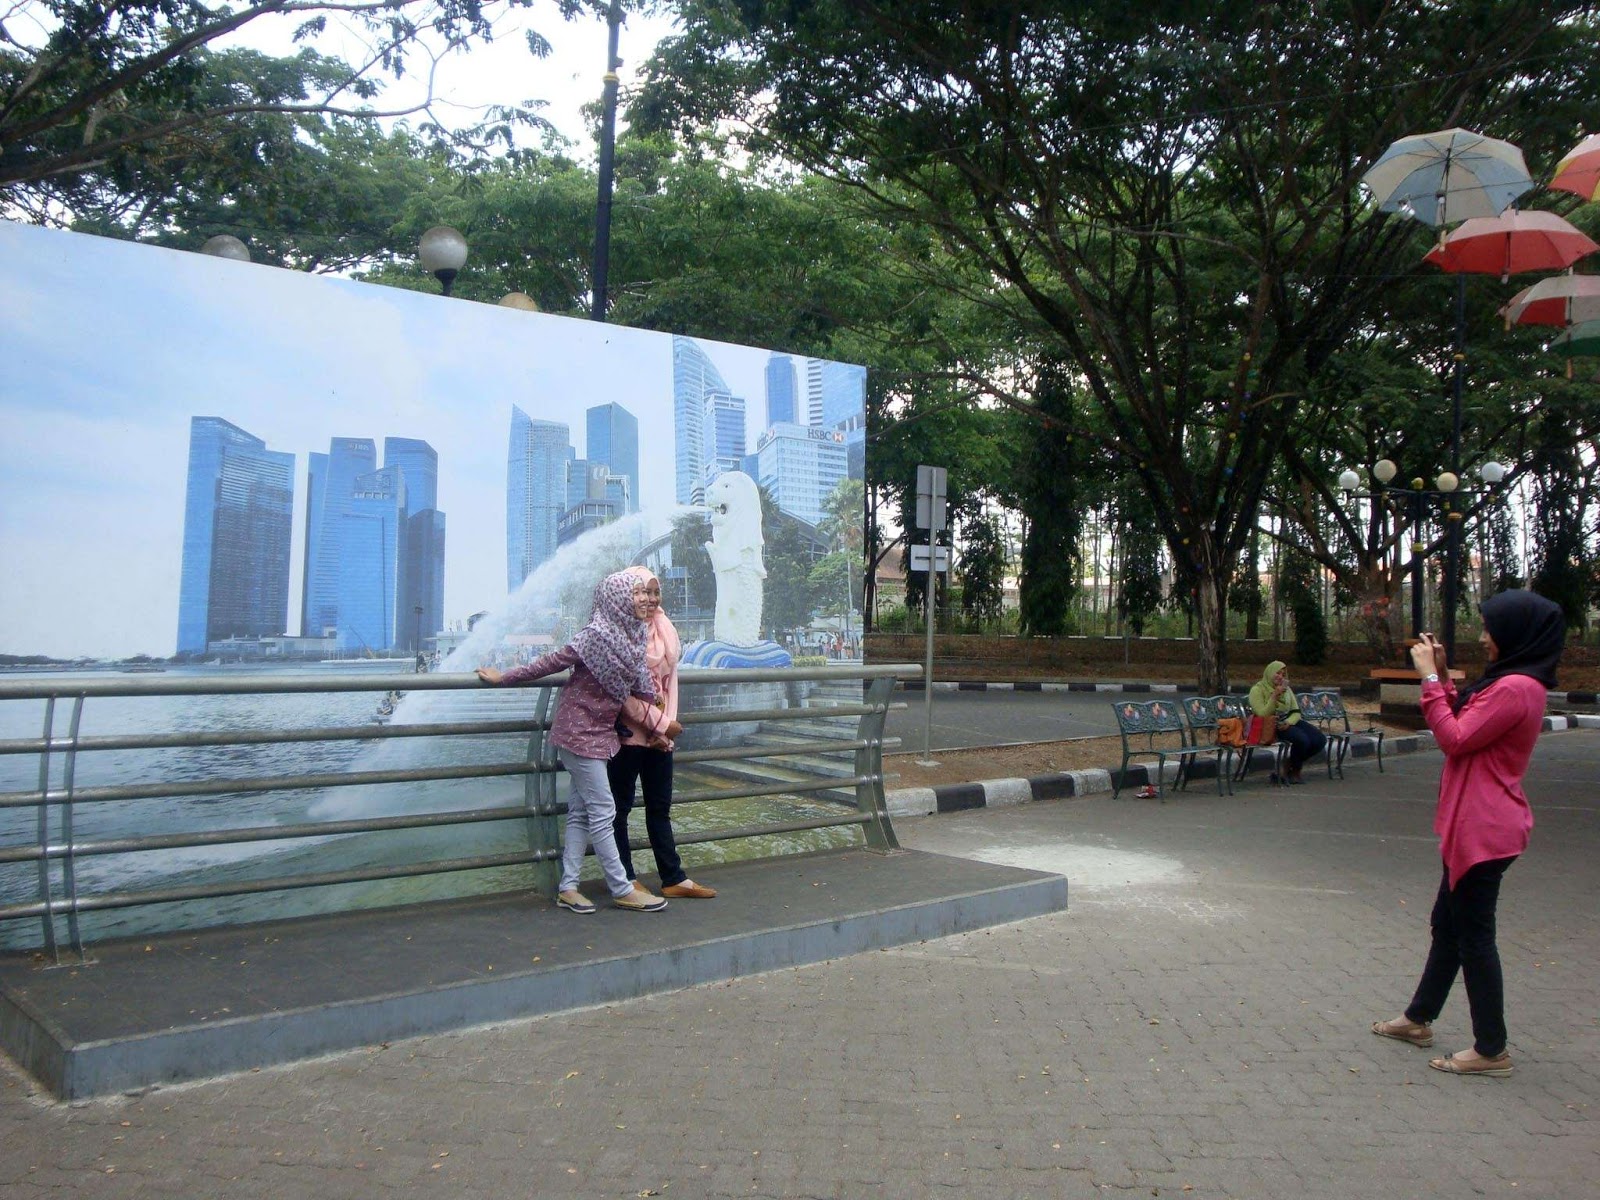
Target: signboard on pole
(931,498)
(941,558)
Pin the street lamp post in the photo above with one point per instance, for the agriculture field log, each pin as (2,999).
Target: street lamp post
(443,252)
(1447,491)
(416,637)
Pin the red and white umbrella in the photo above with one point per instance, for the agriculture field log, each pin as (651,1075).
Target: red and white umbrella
(1579,171)
(1512,243)
(1563,300)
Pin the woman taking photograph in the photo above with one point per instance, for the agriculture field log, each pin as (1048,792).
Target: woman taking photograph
(1487,733)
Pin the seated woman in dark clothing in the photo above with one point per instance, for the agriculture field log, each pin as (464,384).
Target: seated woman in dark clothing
(1273,698)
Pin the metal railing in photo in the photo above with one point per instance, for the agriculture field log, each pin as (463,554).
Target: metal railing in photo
(45,856)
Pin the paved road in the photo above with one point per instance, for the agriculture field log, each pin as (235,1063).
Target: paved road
(1195,1026)
(993,718)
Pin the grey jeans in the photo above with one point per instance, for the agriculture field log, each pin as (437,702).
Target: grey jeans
(591,813)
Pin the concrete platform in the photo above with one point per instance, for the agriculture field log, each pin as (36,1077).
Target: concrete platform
(191,1006)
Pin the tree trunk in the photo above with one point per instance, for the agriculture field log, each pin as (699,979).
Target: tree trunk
(1211,603)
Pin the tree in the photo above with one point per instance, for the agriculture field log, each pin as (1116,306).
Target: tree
(983,570)
(107,89)
(1166,193)
(787,596)
(1053,467)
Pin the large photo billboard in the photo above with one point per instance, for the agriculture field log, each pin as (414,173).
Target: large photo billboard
(208,459)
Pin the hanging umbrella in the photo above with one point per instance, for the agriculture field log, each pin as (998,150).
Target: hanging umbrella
(1580,170)
(1580,341)
(1448,175)
(1563,300)
(1513,243)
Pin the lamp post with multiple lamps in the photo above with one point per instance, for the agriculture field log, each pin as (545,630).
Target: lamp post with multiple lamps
(1447,491)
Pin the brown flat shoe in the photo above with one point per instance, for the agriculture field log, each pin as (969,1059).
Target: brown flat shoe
(1498,1067)
(689,890)
(1402,1030)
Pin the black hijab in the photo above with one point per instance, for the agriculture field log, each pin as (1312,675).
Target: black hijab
(1529,632)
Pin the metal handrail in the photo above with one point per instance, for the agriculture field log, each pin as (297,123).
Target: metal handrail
(56,850)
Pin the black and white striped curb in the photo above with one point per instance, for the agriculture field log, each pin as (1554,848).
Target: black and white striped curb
(1058,785)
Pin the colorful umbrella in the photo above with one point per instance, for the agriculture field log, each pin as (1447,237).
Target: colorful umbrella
(1563,300)
(1513,243)
(1448,175)
(1581,341)
(1580,170)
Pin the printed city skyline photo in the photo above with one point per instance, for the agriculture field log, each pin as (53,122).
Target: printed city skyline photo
(203,451)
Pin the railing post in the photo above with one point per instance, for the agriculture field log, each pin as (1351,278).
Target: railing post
(45,888)
(869,767)
(539,792)
(69,864)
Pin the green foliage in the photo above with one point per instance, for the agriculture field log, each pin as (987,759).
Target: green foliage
(690,533)
(1139,594)
(983,569)
(787,596)
(121,100)
(1298,583)
(1166,198)
(1052,470)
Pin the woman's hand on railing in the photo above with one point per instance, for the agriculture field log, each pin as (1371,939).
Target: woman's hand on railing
(490,676)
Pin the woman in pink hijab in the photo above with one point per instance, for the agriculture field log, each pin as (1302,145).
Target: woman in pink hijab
(644,757)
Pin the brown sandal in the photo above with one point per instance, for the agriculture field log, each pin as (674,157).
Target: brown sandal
(1403,1030)
(1499,1066)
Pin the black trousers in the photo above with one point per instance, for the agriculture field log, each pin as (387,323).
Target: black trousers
(1463,940)
(651,770)
(1304,739)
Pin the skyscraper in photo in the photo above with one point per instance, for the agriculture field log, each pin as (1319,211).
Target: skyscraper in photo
(536,492)
(370,539)
(348,459)
(800,466)
(694,377)
(722,434)
(421,611)
(835,392)
(783,393)
(237,522)
(611,436)
(374,546)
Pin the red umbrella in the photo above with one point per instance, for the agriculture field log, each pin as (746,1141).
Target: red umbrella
(1512,244)
(1562,300)
(1579,171)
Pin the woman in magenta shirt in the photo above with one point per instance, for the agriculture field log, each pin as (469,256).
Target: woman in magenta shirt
(607,661)
(1487,733)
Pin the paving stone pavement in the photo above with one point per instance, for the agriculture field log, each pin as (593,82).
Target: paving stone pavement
(1194,1026)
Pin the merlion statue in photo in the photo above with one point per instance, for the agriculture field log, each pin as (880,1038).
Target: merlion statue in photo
(735,549)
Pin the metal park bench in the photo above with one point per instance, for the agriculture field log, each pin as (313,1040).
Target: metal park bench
(1202,713)
(1326,709)
(1278,748)
(1156,729)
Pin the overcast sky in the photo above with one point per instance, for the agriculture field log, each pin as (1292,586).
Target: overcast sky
(498,72)
(108,348)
